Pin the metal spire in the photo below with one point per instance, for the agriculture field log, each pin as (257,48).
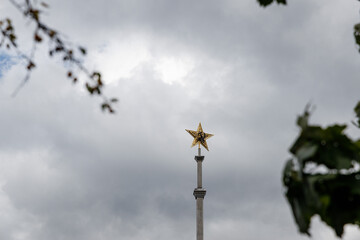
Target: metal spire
(200,138)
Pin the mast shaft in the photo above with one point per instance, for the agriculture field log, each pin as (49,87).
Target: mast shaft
(199,174)
(199,194)
(199,219)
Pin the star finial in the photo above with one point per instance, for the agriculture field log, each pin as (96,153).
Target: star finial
(200,137)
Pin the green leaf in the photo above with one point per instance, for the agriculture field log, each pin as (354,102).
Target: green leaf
(333,148)
(301,210)
(89,88)
(306,151)
(96,74)
(357,34)
(333,195)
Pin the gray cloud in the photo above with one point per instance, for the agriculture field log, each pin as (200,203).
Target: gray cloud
(67,171)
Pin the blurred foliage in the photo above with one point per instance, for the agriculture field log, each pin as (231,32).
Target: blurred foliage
(323,177)
(72,56)
(265,3)
(357,112)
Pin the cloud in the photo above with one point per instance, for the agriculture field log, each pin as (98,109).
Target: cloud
(173,69)
(68,171)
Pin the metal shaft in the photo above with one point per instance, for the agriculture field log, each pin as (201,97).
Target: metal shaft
(199,194)
(199,219)
(199,174)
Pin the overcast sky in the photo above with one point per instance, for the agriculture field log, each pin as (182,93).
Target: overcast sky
(69,171)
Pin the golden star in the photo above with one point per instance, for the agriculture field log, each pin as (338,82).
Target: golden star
(200,137)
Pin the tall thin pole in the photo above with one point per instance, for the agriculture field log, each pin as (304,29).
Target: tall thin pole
(200,138)
(199,170)
(199,194)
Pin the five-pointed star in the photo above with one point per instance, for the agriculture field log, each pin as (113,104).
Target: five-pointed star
(200,137)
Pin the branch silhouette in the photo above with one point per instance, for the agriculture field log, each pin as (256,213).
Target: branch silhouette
(57,46)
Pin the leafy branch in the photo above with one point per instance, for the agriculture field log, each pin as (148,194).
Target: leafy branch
(57,46)
(323,177)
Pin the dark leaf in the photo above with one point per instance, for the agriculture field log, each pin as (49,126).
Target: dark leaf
(107,106)
(35,14)
(30,65)
(59,48)
(51,33)
(9,28)
(37,38)
(12,37)
(97,90)
(82,50)
(265,3)
(104,106)
(96,74)
(89,88)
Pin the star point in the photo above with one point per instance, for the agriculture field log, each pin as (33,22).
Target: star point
(200,137)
